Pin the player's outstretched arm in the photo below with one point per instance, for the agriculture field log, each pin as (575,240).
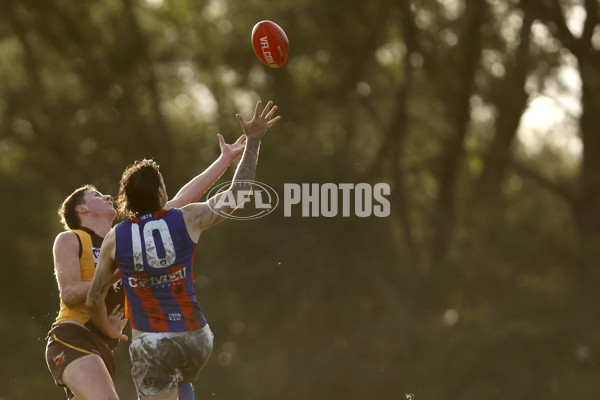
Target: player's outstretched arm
(194,189)
(103,279)
(200,216)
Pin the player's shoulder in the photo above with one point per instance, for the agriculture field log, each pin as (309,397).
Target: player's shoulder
(110,240)
(124,224)
(117,230)
(111,233)
(192,210)
(66,240)
(66,237)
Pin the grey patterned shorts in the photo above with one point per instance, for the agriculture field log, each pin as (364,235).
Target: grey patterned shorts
(160,358)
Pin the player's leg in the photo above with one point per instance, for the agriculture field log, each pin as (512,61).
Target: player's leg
(198,347)
(89,379)
(157,360)
(186,391)
(170,395)
(153,373)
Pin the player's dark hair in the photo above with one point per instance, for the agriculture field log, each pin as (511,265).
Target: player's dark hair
(68,209)
(138,190)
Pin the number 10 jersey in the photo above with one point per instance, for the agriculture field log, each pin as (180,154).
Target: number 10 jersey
(155,253)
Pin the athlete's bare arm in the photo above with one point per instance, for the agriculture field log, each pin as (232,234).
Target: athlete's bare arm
(200,216)
(72,289)
(194,189)
(103,278)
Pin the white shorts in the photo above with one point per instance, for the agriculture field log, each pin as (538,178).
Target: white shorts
(159,359)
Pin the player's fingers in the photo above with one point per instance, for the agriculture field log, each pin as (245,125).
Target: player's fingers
(271,112)
(241,119)
(266,109)
(241,139)
(257,109)
(272,121)
(221,139)
(114,310)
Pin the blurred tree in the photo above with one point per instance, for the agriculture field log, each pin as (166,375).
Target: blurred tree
(587,197)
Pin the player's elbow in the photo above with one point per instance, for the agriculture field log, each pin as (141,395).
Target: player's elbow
(71,299)
(91,304)
(70,303)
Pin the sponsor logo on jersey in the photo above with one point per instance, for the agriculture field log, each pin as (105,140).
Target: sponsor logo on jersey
(156,281)
(59,358)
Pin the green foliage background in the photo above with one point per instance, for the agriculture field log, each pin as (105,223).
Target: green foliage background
(480,285)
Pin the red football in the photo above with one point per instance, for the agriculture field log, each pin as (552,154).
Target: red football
(270,44)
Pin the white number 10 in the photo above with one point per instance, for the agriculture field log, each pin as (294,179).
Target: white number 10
(151,254)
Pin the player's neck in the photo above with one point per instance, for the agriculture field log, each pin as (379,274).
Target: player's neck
(101,226)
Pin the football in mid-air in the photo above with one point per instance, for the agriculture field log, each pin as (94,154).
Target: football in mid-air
(270,44)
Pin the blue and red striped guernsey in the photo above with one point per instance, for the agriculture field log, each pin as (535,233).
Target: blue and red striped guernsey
(155,254)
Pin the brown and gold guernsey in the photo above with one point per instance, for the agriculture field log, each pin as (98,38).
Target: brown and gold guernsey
(73,335)
(88,256)
(89,250)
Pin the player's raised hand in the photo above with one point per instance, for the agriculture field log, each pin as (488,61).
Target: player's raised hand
(262,120)
(231,151)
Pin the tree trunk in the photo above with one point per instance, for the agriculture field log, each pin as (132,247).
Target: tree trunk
(587,212)
(511,103)
(458,103)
